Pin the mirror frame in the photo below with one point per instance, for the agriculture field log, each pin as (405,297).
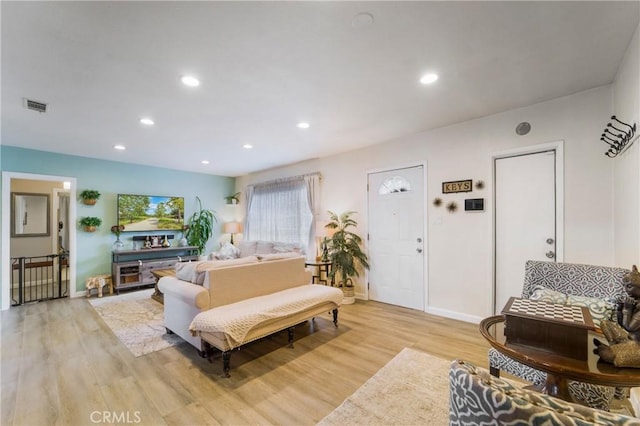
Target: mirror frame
(14,234)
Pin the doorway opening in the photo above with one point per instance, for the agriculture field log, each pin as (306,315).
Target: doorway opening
(38,243)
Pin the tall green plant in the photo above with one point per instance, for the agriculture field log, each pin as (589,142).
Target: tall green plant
(200,227)
(344,248)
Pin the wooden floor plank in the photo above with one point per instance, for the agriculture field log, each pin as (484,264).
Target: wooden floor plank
(61,361)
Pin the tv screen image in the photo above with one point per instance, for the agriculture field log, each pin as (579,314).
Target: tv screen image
(150,213)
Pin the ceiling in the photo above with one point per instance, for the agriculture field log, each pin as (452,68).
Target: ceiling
(265,66)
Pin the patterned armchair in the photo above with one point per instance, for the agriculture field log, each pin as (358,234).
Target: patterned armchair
(576,280)
(476,398)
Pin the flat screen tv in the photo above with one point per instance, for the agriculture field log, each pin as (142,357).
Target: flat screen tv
(150,212)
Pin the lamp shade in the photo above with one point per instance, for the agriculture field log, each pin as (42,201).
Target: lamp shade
(232,227)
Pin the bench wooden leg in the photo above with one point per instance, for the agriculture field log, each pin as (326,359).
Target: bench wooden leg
(335,317)
(226,363)
(290,331)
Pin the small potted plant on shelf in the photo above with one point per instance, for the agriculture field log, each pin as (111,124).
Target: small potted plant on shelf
(233,199)
(89,196)
(345,253)
(90,223)
(200,227)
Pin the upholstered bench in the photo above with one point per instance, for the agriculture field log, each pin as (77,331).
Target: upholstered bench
(230,326)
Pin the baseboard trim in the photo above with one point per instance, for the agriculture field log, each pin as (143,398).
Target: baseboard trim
(454,315)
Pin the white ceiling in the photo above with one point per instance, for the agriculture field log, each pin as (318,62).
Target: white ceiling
(265,66)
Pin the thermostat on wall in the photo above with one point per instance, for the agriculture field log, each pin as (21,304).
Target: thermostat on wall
(474,204)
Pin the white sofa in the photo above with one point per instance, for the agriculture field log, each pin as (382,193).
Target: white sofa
(228,291)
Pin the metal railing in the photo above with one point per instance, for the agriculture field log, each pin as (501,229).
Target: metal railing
(38,278)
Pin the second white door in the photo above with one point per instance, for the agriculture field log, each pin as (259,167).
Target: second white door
(396,237)
(525,219)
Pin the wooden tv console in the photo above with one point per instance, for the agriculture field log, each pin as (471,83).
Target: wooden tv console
(132,268)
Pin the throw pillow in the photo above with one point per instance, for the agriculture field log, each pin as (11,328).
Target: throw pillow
(187,271)
(544,294)
(228,251)
(600,309)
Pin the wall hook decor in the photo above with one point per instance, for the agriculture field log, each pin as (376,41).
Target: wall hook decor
(620,139)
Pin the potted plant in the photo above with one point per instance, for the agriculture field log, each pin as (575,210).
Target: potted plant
(90,223)
(345,253)
(233,199)
(89,196)
(200,227)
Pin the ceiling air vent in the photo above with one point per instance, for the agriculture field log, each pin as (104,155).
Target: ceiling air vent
(35,105)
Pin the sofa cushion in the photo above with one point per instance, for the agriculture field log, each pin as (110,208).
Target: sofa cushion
(215,264)
(277,256)
(247,248)
(286,248)
(264,247)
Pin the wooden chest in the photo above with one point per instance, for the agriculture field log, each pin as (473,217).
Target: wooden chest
(551,327)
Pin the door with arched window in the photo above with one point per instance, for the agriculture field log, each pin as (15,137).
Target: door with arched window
(396,237)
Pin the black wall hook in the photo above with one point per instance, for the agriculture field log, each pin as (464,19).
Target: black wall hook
(617,142)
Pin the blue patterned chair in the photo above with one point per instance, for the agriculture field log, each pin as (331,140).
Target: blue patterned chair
(477,398)
(576,280)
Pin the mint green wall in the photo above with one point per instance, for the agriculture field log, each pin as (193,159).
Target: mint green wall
(112,178)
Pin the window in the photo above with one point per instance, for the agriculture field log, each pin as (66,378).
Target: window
(282,211)
(393,185)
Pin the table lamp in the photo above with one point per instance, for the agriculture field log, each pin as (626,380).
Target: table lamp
(232,228)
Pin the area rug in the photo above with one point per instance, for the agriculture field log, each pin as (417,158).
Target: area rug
(412,389)
(137,320)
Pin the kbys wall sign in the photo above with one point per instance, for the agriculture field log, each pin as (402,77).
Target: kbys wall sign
(457,186)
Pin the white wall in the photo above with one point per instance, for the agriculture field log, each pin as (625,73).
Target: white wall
(459,271)
(626,106)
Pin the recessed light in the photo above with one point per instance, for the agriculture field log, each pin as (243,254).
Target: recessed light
(247,146)
(428,78)
(147,121)
(363,19)
(189,80)
(205,161)
(303,125)
(119,147)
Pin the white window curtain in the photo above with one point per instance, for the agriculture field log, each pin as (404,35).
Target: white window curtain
(283,210)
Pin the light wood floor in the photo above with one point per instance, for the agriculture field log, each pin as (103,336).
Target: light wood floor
(61,363)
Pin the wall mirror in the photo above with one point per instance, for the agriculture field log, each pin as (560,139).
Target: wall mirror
(30,215)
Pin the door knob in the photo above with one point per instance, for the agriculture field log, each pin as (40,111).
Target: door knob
(550,254)
(419,250)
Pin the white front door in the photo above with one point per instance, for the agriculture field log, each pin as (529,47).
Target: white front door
(525,218)
(396,237)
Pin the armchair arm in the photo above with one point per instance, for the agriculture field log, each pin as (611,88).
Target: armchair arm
(192,294)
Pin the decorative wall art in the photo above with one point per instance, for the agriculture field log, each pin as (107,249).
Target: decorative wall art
(457,186)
